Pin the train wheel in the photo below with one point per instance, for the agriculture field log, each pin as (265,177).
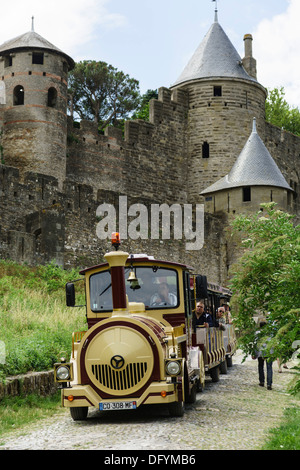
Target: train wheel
(229,361)
(223,367)
(80,413)
(176,408)
(191,395)
(190,391)
(215,374)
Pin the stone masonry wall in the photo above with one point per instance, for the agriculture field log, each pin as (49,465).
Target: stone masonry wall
(39,224)
(285,149)
(45,218)
(34,132)
(223,122)
(152,155)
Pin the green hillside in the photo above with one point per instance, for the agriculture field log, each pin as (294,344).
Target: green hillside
(35,324)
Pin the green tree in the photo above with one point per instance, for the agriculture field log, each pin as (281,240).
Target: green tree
(280,113)
(100,92)
(266,279)
(142,111)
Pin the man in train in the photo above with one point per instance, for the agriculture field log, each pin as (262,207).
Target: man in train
(200,317)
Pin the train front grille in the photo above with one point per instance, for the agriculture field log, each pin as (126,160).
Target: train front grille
(124,379)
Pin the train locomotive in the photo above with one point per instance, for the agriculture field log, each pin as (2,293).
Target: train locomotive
(140,347)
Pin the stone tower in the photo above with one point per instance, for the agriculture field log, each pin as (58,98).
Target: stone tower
(33,105)
(224,96)
(254,179)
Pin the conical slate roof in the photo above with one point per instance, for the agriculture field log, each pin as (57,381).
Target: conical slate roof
(253,167)
(215,57)
(32,40)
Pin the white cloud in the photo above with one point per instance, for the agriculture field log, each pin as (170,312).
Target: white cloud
(276,48)
(68,24)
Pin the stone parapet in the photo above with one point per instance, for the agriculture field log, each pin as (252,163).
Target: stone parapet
(32,382)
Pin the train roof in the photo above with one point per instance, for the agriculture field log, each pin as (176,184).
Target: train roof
(142,258)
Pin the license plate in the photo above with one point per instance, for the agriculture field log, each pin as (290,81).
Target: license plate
(117,405)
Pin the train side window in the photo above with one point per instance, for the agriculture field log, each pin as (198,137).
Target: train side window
(101,292)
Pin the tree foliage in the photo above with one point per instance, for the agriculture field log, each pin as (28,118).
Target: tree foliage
(266,281)
(100,92)
(280,113)
(142,111)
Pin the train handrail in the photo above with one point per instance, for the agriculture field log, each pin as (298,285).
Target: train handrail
(76,338)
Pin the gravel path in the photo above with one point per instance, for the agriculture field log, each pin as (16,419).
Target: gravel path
(234,413)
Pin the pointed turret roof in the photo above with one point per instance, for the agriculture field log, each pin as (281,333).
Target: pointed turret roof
(216,57)
(32,40)
(253,167)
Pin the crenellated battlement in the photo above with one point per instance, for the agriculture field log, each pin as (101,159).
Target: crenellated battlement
(55,173)
(142,155)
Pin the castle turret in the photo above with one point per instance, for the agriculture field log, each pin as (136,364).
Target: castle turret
(223,99)
(254,179)
(33,74)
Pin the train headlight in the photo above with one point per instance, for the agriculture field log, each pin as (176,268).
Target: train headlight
(63,372)
(173,367)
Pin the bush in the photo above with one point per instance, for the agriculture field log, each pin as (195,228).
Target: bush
(36,325)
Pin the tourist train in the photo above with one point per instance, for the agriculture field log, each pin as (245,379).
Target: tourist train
(140,347)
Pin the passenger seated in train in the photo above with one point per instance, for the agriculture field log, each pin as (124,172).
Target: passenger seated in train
(228,317)
(200,317)
(220,318)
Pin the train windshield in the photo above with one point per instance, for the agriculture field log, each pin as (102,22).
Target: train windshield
(156,287)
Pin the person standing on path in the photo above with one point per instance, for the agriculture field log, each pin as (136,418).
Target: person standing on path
(260,356)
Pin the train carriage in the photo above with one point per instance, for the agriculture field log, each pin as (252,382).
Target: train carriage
(217,345)
(139,347)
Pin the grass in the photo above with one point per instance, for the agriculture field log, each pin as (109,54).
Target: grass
(287,436)
(35,324)
(17,412)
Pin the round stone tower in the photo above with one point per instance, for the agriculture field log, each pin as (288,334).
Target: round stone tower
(33,77)
(224,96)
(254,179)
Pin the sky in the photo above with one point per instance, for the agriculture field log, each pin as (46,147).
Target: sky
(153,40)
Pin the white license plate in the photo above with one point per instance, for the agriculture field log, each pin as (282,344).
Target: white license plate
(117,405)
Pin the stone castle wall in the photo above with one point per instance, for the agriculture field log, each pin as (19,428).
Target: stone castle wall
(151,156)
(221,122)
(40,224)
(49,213)
(285,149)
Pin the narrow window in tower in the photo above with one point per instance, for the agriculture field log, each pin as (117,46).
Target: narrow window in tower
(205,150)
(38,58)
(246,194)
(8,60)
(52,97)
(217,91)
(18,95)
